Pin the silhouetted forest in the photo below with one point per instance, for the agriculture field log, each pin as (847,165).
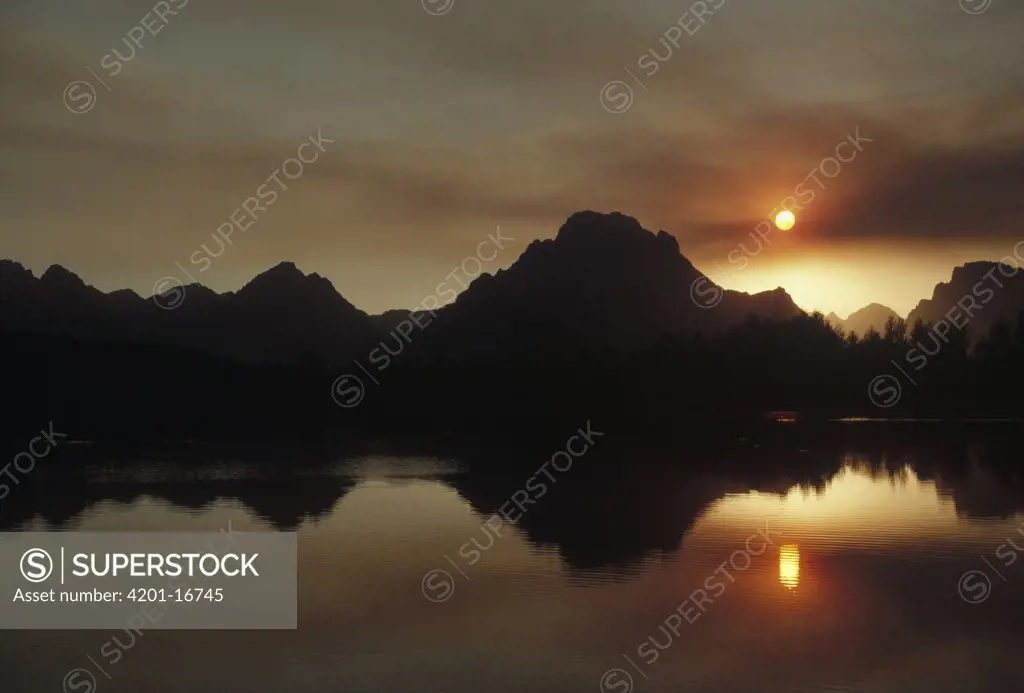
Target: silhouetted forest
(684,384)
(801,364)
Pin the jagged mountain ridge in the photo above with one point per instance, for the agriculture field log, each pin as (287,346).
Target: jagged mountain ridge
(281,315)
(603,281)
(978,295)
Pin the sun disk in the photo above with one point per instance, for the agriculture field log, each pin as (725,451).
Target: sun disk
(785,219)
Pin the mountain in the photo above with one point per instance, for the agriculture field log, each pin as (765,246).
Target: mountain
(605,321)
(603,282)
(873,316)
(281,315)
(978,294)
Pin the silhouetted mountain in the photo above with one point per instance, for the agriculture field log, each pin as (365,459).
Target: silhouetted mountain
(872,316)
(985,291)
(603,282)
(281,315)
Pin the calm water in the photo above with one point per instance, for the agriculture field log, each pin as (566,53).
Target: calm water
(857,587)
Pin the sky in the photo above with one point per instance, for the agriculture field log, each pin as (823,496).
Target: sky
(439,121)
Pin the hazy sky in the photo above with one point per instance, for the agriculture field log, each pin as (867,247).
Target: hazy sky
(449,125)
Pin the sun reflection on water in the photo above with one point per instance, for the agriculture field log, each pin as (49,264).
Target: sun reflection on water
(789,566)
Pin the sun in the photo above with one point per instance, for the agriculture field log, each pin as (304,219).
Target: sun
(785,220)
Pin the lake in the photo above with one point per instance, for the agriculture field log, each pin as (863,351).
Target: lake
(846,564)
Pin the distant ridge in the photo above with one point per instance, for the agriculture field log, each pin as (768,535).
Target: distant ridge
(871,317)
(281,315)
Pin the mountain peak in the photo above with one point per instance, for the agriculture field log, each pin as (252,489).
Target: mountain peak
(603,281)
(282,275)
(9,269)
(283,269)
(972,271)
(285,285)
(606,240)
(873,310)
(55,275)
(592,228)
(12,265)
(872,316)
(596,223)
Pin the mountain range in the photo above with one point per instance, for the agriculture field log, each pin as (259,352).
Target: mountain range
(603,282)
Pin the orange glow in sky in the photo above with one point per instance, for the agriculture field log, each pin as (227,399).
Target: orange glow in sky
(845,278)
